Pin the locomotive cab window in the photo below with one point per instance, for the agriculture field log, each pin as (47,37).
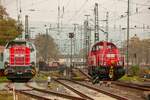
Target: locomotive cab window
(99,47)
(11,44)
(94,49)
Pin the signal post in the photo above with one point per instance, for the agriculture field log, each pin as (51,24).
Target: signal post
(69,71)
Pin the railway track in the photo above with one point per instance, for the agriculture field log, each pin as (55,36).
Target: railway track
(124,84)
(41,94)
(56,93)
(85,74)
(133,86)
(129,90)
(89,92)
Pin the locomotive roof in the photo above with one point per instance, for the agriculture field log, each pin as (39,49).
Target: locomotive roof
(18,41)
(102,43)
(15,42)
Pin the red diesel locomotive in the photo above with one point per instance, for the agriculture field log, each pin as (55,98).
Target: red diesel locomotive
(105,62)
(19,60)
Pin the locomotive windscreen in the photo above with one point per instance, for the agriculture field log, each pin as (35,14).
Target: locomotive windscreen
(15,43)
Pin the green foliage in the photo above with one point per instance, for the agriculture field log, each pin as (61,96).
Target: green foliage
(9,29)
(40,77)
(135,70)
(3,79)
(130,79)
(78,78)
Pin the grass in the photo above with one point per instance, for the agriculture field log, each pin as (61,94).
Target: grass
(53,85)
(131,79)
(3,79)
(78,75)
(78,78)
(42,76)
(4,95)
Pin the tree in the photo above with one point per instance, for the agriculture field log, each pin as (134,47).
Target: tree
(139,50)
(9,29)
(135,70)
(46,47)
(3,12)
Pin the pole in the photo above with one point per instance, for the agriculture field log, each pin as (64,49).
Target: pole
(74,43)
(71,35)
(14,94)
(87,36)
(107,15)
(75,38)
(26,27)
(87,32)
(96,23)
(46,41)
(71,60)
(128,32)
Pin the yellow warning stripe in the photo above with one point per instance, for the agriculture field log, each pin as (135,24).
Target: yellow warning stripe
(33,72)
(111,71)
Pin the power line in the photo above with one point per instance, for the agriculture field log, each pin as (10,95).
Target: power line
(135,3)
(124,16)
(78,11)
(31,4)
(67,4)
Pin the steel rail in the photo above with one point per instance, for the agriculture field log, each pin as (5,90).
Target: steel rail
(133,86)
(85,74)
(75,90)
(101,91)
(26,92)
(56,93)
(33,95)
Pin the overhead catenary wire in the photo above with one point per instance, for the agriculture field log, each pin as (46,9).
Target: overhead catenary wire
(131,15)
(136,3)
(67,4)
(79,10)
(119,16)
(31,4)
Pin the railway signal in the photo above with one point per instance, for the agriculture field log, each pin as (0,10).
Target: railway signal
(71,36)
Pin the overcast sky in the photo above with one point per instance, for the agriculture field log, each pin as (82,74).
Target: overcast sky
(74,11)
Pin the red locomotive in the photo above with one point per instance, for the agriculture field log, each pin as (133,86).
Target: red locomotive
(19,60)
(105,62)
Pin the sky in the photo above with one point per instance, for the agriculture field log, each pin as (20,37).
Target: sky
(74,10)
(43,12)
